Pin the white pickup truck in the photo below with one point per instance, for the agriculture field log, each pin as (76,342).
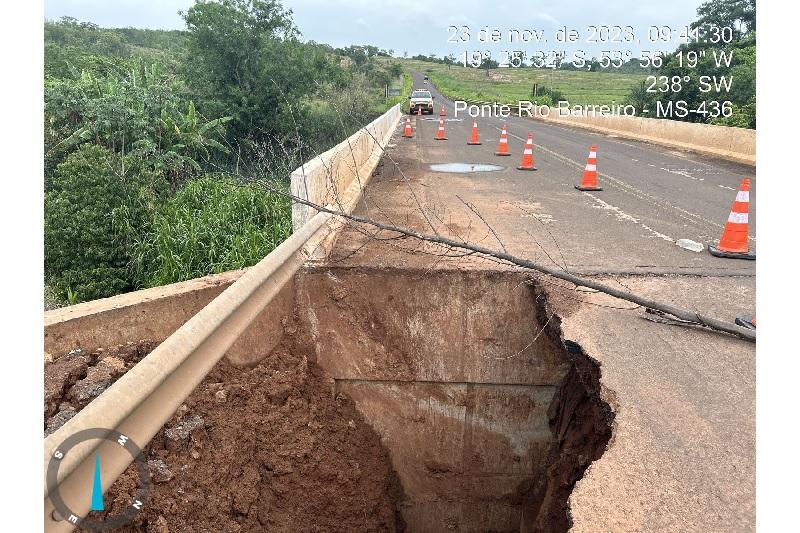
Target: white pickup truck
(420,99)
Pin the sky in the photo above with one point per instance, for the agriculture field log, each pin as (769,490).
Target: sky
(412,26)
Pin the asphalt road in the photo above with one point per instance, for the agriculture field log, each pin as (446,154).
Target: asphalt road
(652,197)
(683,453)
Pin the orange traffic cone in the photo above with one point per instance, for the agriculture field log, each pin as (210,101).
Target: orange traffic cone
(590,173)
(442,113)
(527,155)
(733,243)
(407,131)
(746,321)
(474,139)
(502,146)
(440,132)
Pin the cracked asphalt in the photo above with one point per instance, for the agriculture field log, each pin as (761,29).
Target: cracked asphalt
(683,451)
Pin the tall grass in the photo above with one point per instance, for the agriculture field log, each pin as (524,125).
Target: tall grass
(211,225)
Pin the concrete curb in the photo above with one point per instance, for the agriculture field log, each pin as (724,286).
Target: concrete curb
(725,142)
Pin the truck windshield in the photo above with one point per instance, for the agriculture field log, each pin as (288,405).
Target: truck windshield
(420,94)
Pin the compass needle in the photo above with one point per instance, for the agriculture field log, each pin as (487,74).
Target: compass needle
(97,486)
(113,447)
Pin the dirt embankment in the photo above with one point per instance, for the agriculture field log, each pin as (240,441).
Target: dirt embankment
(581,423)
(275,448)
(74,379)
(271,448)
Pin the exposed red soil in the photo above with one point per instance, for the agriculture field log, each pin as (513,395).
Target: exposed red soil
(271,448)
(581,423)
(76,378)
(275,448)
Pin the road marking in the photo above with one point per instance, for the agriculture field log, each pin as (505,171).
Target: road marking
(683,173)
(726,187)
(544,218)
(622,215)
(630,189)
(614,139)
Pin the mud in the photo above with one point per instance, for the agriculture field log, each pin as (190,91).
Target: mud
(581,423)
(284,446)
(272,448)
(74,379)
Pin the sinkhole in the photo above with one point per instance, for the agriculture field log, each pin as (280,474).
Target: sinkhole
(397,400)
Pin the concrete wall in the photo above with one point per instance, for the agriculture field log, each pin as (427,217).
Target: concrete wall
(337,177)
(735,144)
(449,368)
(154,314)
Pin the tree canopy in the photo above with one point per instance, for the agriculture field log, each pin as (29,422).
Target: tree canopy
(146,130)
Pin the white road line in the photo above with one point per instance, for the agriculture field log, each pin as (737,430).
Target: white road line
(631,190)
(682,173)
(726,187)
(622,215)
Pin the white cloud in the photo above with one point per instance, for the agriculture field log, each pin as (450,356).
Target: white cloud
(418,27)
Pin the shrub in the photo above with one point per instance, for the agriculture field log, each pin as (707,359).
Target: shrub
(85,255)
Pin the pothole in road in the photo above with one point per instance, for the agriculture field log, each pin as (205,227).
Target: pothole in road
(461,168)
(396,400)
(489,417)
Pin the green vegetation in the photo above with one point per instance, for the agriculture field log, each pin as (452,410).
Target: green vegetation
(211,225)
(509,85)
(85,252)
(627,84)
(154,139)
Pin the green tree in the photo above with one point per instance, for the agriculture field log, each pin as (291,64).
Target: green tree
(246,61)
(135,121)
(395,70)
(739,15)
(135,109)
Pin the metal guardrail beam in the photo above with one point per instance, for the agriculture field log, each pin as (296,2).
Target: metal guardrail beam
(146,397)
(139,403)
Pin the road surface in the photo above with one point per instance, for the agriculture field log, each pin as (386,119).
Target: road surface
(683,452)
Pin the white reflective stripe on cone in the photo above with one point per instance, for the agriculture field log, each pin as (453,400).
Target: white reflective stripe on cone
(591,167)
(592,155)
(738,218)
(743,196)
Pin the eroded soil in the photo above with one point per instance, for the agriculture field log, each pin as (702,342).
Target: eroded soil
(270,448)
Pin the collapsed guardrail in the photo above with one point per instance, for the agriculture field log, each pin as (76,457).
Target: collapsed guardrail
(138,404)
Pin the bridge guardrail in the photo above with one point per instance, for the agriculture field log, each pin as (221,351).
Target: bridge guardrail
(140,402)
